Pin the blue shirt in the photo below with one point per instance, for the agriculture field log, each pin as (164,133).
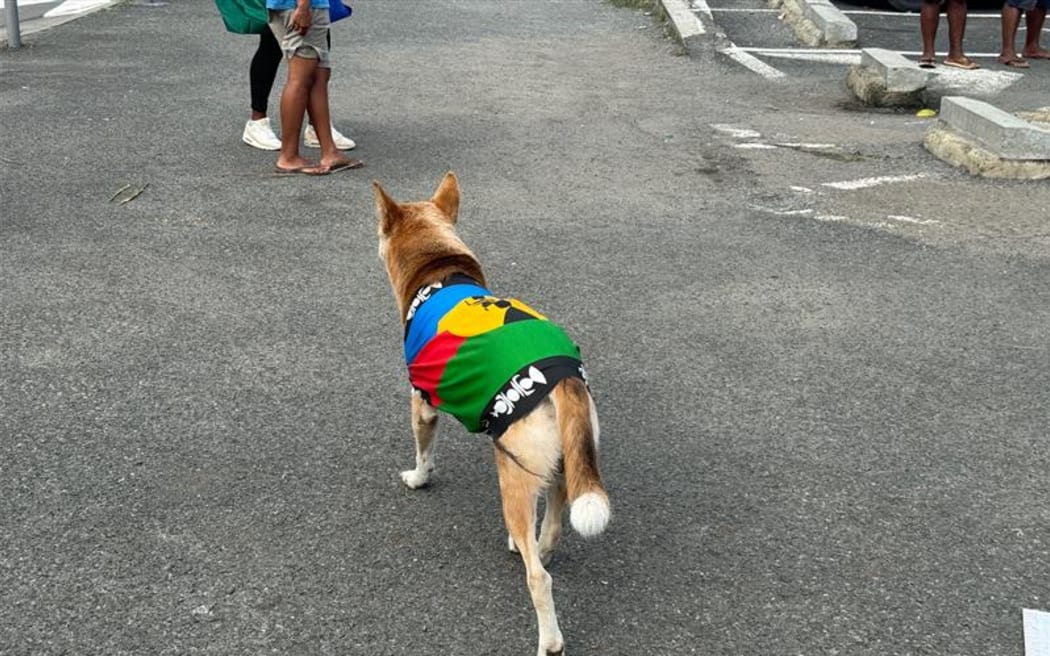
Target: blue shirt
(282,5)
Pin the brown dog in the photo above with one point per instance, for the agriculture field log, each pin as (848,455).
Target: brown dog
(461,343)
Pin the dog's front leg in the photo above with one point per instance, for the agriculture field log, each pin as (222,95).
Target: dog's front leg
(424,423)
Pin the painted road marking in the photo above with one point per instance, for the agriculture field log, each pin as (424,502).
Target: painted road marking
(738,132)
(910,219)
(863,183)
(752,63)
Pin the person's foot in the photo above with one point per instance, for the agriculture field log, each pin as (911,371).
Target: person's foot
(1015,61)
(342,142)
(1037,54)
(339,163)
(300,165)
(259,134)
(962,62)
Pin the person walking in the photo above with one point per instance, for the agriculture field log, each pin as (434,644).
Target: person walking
(1035,16)
(929,18)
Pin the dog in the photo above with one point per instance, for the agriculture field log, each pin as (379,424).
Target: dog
(499,367)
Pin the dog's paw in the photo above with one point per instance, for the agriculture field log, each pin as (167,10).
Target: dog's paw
(415,478)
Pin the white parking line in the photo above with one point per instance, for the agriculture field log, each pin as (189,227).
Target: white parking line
(749,61)
(736,132)
(863,183)
(910,219)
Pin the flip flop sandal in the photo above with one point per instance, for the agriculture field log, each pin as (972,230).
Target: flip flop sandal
(311,169)
(927,62)
(344,166)
(1016,62)
(965,64)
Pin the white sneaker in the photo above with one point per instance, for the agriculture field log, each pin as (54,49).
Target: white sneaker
(341,142)
(259,134)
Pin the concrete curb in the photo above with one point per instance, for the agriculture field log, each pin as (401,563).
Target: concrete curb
(990,142)
(686,25)
(1006,135)
(959,151)
(818,23)
(886,79)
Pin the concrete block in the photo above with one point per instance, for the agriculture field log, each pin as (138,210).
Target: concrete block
(901,75)
(965,153)
(685,24)
(1002,133)
(869,86)
(836,28)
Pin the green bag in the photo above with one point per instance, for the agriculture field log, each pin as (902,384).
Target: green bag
(244,16)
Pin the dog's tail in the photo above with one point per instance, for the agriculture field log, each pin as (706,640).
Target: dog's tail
(578,424)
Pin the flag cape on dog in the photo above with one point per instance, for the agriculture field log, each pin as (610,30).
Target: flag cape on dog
(485,360)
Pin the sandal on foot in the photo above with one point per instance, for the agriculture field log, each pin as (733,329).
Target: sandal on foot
(1016,62)
(965,63)
(927,62)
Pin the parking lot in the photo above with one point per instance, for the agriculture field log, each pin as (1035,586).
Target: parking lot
(755,29)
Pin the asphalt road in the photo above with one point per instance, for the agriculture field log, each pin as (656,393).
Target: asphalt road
(822,433)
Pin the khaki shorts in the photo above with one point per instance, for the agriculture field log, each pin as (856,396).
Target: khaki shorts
(312,45)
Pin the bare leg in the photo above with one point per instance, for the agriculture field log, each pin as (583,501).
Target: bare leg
(321,119)
(424,423)
(301,74)
(1034,19)
(1010,19)
(956,30)
(519,490)
(929,18)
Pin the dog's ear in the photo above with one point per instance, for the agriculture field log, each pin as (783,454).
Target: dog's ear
(387,209)
(447,196)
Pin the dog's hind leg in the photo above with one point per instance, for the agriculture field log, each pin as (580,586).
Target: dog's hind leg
(424,425)
(550,529)
(519,490)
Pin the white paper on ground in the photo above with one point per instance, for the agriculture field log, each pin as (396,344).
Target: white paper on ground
(1036,633)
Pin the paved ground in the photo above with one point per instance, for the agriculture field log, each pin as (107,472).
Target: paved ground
(820,437)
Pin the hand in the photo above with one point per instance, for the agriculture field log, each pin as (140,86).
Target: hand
(302,18)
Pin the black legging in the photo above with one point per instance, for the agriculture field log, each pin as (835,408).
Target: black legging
(263,70)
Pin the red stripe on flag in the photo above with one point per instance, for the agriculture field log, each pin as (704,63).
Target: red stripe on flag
(426,370)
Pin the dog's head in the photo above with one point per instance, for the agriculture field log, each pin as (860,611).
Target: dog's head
(418,242)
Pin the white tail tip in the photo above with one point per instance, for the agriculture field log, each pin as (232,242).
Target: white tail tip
(590,514)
